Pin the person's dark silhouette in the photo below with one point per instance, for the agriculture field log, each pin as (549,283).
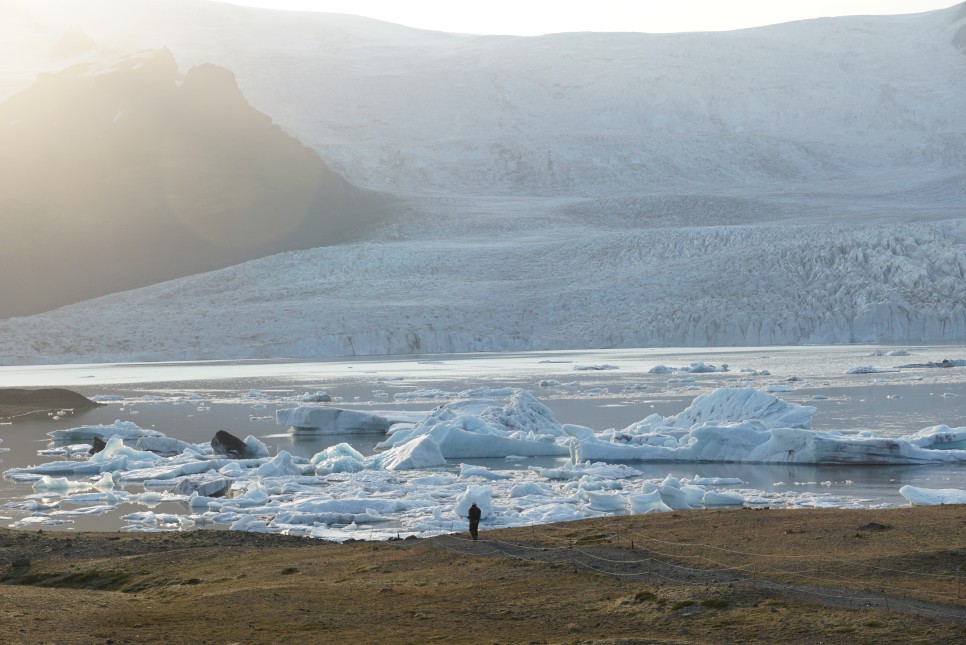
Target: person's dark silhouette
(474,515)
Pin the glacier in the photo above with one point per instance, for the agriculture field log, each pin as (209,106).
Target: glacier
(793,184)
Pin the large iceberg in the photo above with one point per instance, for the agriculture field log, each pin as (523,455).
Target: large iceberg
(483,428)
(751,426)
(328,420)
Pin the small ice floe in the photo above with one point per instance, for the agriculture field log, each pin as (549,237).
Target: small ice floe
(933,496)
(870,369)
(594,368)
(126,430)
(315,397)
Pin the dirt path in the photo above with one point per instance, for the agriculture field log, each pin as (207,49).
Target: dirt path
(641,565)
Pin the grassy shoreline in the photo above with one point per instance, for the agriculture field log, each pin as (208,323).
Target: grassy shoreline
(793,576)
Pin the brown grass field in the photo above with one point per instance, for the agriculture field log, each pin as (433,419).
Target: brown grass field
(719,576)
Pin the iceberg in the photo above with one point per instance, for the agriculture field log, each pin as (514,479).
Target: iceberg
(750,426)
(421,452)
(319,419)
(484,428)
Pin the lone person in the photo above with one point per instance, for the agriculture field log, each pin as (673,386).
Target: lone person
(474,517)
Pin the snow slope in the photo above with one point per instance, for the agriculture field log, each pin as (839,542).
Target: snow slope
(798,183)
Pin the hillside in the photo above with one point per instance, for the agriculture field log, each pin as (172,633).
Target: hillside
(128,173)
(800,183)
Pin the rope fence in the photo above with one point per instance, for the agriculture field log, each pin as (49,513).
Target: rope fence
(629,554)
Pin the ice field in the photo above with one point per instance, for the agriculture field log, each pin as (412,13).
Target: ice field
(385,448)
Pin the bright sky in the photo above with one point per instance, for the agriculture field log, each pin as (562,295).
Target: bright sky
(535,17)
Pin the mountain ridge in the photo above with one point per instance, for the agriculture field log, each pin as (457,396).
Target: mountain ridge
(800,183)
(123,175)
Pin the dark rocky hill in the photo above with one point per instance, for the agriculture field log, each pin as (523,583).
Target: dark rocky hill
(116,178)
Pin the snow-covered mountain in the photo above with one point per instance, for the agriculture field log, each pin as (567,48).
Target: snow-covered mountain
(798,183)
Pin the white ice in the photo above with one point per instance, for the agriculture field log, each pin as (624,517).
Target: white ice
(410,485)
(932,496)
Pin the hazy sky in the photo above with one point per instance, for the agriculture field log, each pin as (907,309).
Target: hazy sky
(533,17)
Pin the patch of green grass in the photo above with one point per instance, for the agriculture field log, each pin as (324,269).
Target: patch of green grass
(592,539)
(91,579)
(681,604)
(643,596)
(715,603)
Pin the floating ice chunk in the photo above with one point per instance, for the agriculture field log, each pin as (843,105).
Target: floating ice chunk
(421,452)
(869,369)
(940,437)
(281,465)
(67,451)
(85,511)
(746,425)
(933,496)
(39,520)
(59,484)
(675,497)
(105,482)
(741,404)
(425,395)
(256,447)
(169,445)
(130,457)
(608,502)
(467,471)
(341,458)
(527,489)
(482,428)
(328,420)
(434,480)
(127,430)
(704,368)
(581,433)
(719,498)
(577,471)
(317,397)
(647,503)
(595,368)
(482,496)
(488,393)
(716,481)
(546,513)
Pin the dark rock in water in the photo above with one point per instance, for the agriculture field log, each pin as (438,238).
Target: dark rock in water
(207,487)
(229,445)
(98,445)
(21,402)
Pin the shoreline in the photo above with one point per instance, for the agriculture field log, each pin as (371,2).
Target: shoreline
(795,576)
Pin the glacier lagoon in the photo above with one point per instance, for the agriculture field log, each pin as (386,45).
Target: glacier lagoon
(319,484)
